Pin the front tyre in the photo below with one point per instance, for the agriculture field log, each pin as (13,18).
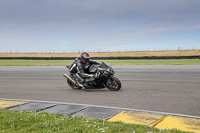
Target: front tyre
(113,84)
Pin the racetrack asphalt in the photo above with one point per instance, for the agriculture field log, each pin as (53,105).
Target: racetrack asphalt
(172,89)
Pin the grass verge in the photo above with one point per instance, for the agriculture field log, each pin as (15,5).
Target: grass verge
(109,54)
(24,122)
(111,62)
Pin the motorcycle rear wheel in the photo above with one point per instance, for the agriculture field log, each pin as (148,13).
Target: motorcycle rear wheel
(113,84)
(73,86)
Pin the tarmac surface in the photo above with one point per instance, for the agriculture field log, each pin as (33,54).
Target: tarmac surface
(164,97)
(173,89)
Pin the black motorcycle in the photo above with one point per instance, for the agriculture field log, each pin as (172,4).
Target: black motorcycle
(105,79)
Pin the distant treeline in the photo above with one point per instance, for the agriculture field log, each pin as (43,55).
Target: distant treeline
(103,58)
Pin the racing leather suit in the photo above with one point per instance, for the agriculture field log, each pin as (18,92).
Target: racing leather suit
(80,70)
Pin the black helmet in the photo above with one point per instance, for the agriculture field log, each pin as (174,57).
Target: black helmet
(85,57)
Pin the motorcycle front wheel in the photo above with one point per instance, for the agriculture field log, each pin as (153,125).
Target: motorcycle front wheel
(113,84)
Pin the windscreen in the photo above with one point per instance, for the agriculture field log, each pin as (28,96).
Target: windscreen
(104,65)
(109,68)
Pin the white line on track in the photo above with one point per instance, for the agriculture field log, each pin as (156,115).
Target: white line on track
(126,109)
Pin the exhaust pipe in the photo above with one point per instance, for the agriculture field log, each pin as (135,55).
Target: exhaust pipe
(69,78)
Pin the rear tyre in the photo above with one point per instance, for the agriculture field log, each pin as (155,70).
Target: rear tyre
(113,84)
(73,86)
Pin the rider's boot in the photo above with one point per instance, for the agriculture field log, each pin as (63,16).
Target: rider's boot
(79,80)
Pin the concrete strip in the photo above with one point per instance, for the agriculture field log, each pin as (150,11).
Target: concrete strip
(65,109)
(133,117)
(150,118)
(181,123)
(89,105)
(8,104)
(33,107)
(96,112)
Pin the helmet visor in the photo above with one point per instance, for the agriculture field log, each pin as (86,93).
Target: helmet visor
(86,60)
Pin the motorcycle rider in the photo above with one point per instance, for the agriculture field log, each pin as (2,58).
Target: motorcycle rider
(79,68)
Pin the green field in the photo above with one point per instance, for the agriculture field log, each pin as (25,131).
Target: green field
(194,52)
(110,62)
(27,122)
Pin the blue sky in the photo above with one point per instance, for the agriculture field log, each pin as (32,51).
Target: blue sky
(98,25)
